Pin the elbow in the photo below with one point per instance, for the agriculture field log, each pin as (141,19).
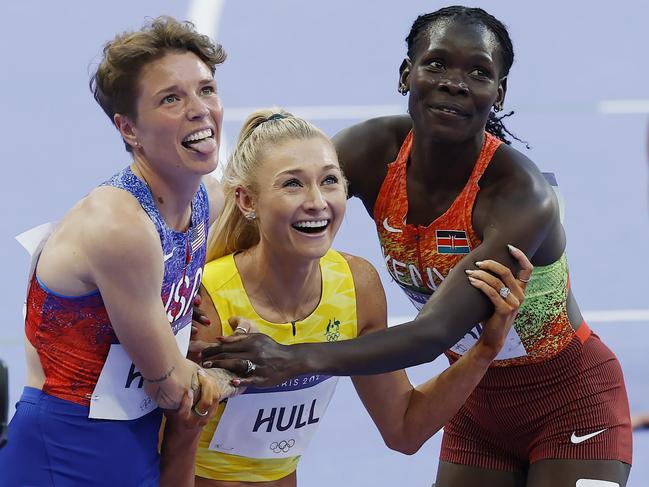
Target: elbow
(403,443)
(434,336)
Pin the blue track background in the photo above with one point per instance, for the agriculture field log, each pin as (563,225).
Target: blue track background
(570,57)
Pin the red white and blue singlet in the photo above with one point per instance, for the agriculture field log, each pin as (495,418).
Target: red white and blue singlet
(73,334)
(51,430)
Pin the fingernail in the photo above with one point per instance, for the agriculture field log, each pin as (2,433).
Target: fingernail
(479,263)
(469,271)
(207,364)
(512,248)
(472,279)
(190,394)
(207,321)
(235,382)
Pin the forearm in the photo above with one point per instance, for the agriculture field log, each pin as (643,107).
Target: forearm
(405,416)
(398,347)
(447,316)
(167,390)
(178,454)
(437,400)
(180,441)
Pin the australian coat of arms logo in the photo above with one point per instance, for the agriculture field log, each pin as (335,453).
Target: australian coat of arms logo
(332,333)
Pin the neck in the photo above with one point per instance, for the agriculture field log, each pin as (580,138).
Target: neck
(444,164)
(288,286)
(172,193)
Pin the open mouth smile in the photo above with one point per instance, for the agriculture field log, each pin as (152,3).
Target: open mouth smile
(200,141)
(311,226)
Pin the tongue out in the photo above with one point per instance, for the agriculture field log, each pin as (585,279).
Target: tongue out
(204,146)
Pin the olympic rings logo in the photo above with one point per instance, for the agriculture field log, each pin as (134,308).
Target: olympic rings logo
(332,332)
(282,446)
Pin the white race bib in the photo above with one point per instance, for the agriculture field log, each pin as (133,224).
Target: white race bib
(33,241)
(274,423)
(512,348)
(417,298)
(119,392)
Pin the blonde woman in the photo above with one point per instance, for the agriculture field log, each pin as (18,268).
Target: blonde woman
(271,263)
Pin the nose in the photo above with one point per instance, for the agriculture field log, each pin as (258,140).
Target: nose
(453,85)
(315,199)
(196,108)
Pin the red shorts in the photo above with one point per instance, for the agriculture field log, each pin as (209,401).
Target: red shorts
(522,414)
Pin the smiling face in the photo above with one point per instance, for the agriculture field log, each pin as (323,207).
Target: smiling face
(454,79)
(179,115)
(300,197)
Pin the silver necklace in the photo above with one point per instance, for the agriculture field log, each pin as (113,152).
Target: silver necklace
(276,308)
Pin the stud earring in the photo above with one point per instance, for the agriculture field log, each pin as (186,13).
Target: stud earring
(403,89)
(498,107)
(251,216)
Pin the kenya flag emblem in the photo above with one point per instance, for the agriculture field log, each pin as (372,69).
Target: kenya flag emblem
(452,242)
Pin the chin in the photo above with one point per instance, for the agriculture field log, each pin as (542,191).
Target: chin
(209,168)
(311,252)
(447,134)
(203,168)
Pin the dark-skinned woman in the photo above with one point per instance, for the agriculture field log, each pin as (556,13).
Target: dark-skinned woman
(446,193)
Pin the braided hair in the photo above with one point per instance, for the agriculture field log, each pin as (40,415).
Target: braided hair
(469,15)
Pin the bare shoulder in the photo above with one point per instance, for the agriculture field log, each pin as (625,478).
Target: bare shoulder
(109,227)
(373,136)
(365,149)
(360,268)
(516,200)
(116,231)
(513,177)
(215,196)
(371,305)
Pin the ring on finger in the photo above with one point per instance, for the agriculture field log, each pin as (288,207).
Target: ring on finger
(241,329)
(198,413)
(524,280)
(250,366)
(504,292)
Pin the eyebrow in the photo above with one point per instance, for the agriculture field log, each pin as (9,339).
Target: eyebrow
(167,89)
(480,57)
(328,167)
(437,51)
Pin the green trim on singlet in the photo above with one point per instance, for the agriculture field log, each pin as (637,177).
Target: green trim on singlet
(545,300)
